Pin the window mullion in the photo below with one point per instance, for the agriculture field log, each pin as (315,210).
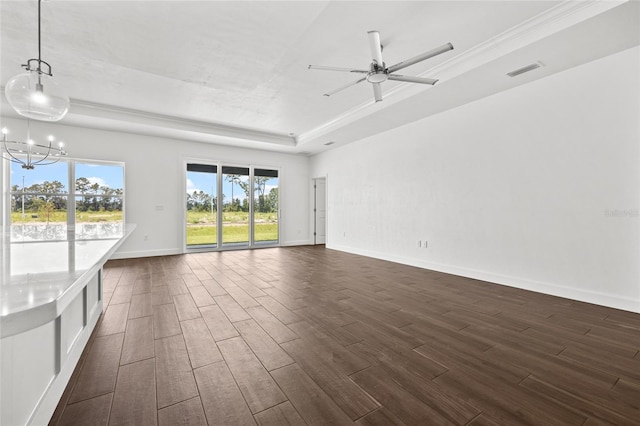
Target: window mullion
(251,207)
(219,205)
(71,198)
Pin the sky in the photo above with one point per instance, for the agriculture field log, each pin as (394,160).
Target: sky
(112,176)
(104,175)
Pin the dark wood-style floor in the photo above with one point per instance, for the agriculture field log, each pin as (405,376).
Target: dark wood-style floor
(313,336)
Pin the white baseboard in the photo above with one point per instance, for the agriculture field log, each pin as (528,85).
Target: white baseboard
(588,296)
(145,253)
(296,243)
(174,251)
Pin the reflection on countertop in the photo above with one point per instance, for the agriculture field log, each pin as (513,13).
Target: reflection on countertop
(37,274)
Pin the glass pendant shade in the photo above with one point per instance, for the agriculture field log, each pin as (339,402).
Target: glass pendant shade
(37,96)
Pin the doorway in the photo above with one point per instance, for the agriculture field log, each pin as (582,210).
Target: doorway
(320,210)
(229,207)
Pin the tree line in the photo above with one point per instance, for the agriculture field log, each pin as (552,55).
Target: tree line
(266,202)
(50,196)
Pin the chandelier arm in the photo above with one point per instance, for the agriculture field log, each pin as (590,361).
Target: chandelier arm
(12,159)
(33,163)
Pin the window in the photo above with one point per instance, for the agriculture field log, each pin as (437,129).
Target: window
(39,199)
(99,200)
(42,199)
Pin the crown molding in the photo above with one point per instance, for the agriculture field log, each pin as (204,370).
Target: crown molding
(81,109)
(113,118)
(562,16)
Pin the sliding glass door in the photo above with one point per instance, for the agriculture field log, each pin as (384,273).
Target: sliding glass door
(265,206)
(235,212)
(245,214)
(201,208)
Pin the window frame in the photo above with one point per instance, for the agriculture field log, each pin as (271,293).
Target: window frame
(71,194)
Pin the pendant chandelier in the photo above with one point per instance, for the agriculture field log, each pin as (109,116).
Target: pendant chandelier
(35,94)
(30,154)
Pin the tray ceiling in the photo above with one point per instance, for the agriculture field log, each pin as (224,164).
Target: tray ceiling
(236,72)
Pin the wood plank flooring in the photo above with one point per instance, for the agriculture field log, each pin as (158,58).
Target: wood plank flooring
(308,335)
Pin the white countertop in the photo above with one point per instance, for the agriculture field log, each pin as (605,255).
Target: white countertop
(39,279)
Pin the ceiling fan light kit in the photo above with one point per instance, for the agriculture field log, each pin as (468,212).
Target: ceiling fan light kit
(377,76)
(378,72)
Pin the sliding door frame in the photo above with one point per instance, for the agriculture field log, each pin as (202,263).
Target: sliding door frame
(220,206)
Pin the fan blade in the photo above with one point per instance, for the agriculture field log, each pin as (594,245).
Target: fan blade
(321,67)
(409,79)
(376,50)
(333,92)
(430,54)
(377,91)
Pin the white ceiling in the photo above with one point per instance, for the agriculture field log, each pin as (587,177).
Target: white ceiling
(236,72)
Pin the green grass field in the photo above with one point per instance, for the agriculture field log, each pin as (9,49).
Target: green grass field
(194,217)
(201,228)
(199,235)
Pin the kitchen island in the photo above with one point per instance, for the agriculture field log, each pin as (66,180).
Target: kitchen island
(51,299)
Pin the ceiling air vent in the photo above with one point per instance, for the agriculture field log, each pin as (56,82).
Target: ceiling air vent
(524,69)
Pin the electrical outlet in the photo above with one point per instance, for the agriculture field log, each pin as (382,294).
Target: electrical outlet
(419,243)
(425,243)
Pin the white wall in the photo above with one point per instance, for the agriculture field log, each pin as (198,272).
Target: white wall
(154,176)
(536,187)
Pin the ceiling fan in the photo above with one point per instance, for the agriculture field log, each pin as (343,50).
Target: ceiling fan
(378,72)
